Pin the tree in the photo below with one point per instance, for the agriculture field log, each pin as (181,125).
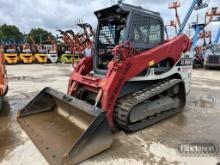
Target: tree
(1,34)
(39,35)
(10,33)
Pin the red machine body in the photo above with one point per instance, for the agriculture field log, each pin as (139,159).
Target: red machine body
(127,64)
(133,79)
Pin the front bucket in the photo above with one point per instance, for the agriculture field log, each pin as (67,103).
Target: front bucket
(66,130)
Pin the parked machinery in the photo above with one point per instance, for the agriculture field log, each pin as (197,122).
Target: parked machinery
(198,58)
(3,80)
(134,79)
(67,57)
(198,27)
(175,5)
(10,54)
(52,54)
(212,56)
(40,54)
(79,43)
(71,40)
(211,13)
(26,54)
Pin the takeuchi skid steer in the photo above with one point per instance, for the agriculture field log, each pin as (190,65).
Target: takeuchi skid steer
(134,79)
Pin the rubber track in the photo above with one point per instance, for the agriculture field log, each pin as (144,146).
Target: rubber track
(125,105)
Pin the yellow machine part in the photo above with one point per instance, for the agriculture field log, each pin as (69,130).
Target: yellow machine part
(11,58)
(26,58)
(40,58)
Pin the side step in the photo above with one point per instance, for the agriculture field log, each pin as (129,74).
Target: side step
(66,130)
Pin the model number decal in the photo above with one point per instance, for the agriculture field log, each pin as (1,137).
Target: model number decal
(185,62)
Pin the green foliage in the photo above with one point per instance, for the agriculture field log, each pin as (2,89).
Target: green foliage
(10,32)
(39,35)
(1,35)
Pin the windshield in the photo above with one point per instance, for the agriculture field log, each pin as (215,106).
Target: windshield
(111,34)
(26,51)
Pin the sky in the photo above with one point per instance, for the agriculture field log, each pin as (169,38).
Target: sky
(64,14)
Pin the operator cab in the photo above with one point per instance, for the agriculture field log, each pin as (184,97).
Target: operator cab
(143,28)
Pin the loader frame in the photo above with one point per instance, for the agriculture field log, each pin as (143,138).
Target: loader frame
(126,64)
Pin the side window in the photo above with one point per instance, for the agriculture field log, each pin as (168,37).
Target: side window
(146,32)
(155,33)
(107,35)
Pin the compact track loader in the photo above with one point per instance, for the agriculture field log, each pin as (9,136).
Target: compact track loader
(134,79)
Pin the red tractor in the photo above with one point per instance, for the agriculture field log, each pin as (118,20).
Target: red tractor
(134,79)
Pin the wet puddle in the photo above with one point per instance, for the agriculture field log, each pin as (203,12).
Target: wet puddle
(206,101)
(154,145)
(15,146)
(9,129)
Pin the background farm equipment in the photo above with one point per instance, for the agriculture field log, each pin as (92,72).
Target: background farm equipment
(67,57)
(39,52)
(212,56)
(26,54)
(80,44)
(52,54)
